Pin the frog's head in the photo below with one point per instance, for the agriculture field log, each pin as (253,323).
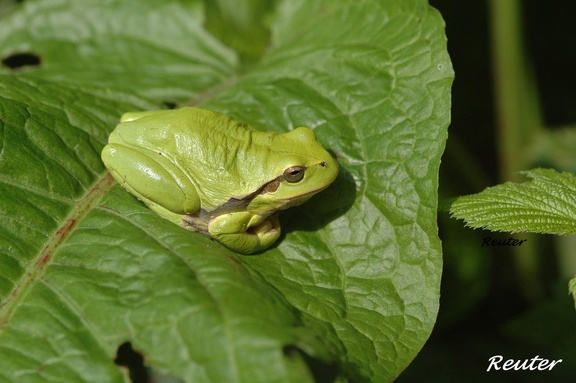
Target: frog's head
(302,168)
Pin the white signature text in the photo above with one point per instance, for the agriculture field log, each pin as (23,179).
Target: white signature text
(497,362)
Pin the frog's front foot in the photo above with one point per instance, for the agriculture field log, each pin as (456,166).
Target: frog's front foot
(245,233)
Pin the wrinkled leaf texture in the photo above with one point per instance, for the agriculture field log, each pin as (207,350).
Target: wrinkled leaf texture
(545,204)
(351,291)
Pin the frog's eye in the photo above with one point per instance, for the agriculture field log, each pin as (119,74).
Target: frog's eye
(294,174)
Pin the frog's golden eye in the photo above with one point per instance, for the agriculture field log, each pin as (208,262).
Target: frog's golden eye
(294,174)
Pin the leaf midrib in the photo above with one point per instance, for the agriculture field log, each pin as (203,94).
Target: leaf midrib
(83,207)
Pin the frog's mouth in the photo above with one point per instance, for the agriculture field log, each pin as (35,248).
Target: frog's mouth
(300,199)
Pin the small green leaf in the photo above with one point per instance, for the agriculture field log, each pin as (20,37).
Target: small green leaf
(546,204)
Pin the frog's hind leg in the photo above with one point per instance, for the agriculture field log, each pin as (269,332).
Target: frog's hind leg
(244,232)
(154,181)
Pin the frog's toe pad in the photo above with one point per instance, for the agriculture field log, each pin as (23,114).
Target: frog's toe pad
(270,227)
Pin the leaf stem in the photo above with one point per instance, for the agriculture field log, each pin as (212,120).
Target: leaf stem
(517,104)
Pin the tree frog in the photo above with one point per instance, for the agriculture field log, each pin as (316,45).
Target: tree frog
(210,173)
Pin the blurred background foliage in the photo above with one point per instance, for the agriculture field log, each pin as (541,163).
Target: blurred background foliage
(513,108)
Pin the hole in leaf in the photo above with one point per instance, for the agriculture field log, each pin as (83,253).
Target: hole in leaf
(170,104)
(133,361)
(321,371)
(20,60)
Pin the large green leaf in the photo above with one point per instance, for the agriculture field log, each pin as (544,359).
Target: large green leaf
(353,285)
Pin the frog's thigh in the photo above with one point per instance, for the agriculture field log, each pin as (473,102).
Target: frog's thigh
(244,232)
(150,181)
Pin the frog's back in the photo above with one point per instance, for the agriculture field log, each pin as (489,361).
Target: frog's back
(196,122)
(214,140)
(187,130)
(205,122)
(215,150)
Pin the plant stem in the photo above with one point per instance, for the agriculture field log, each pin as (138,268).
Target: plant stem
(519,120)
